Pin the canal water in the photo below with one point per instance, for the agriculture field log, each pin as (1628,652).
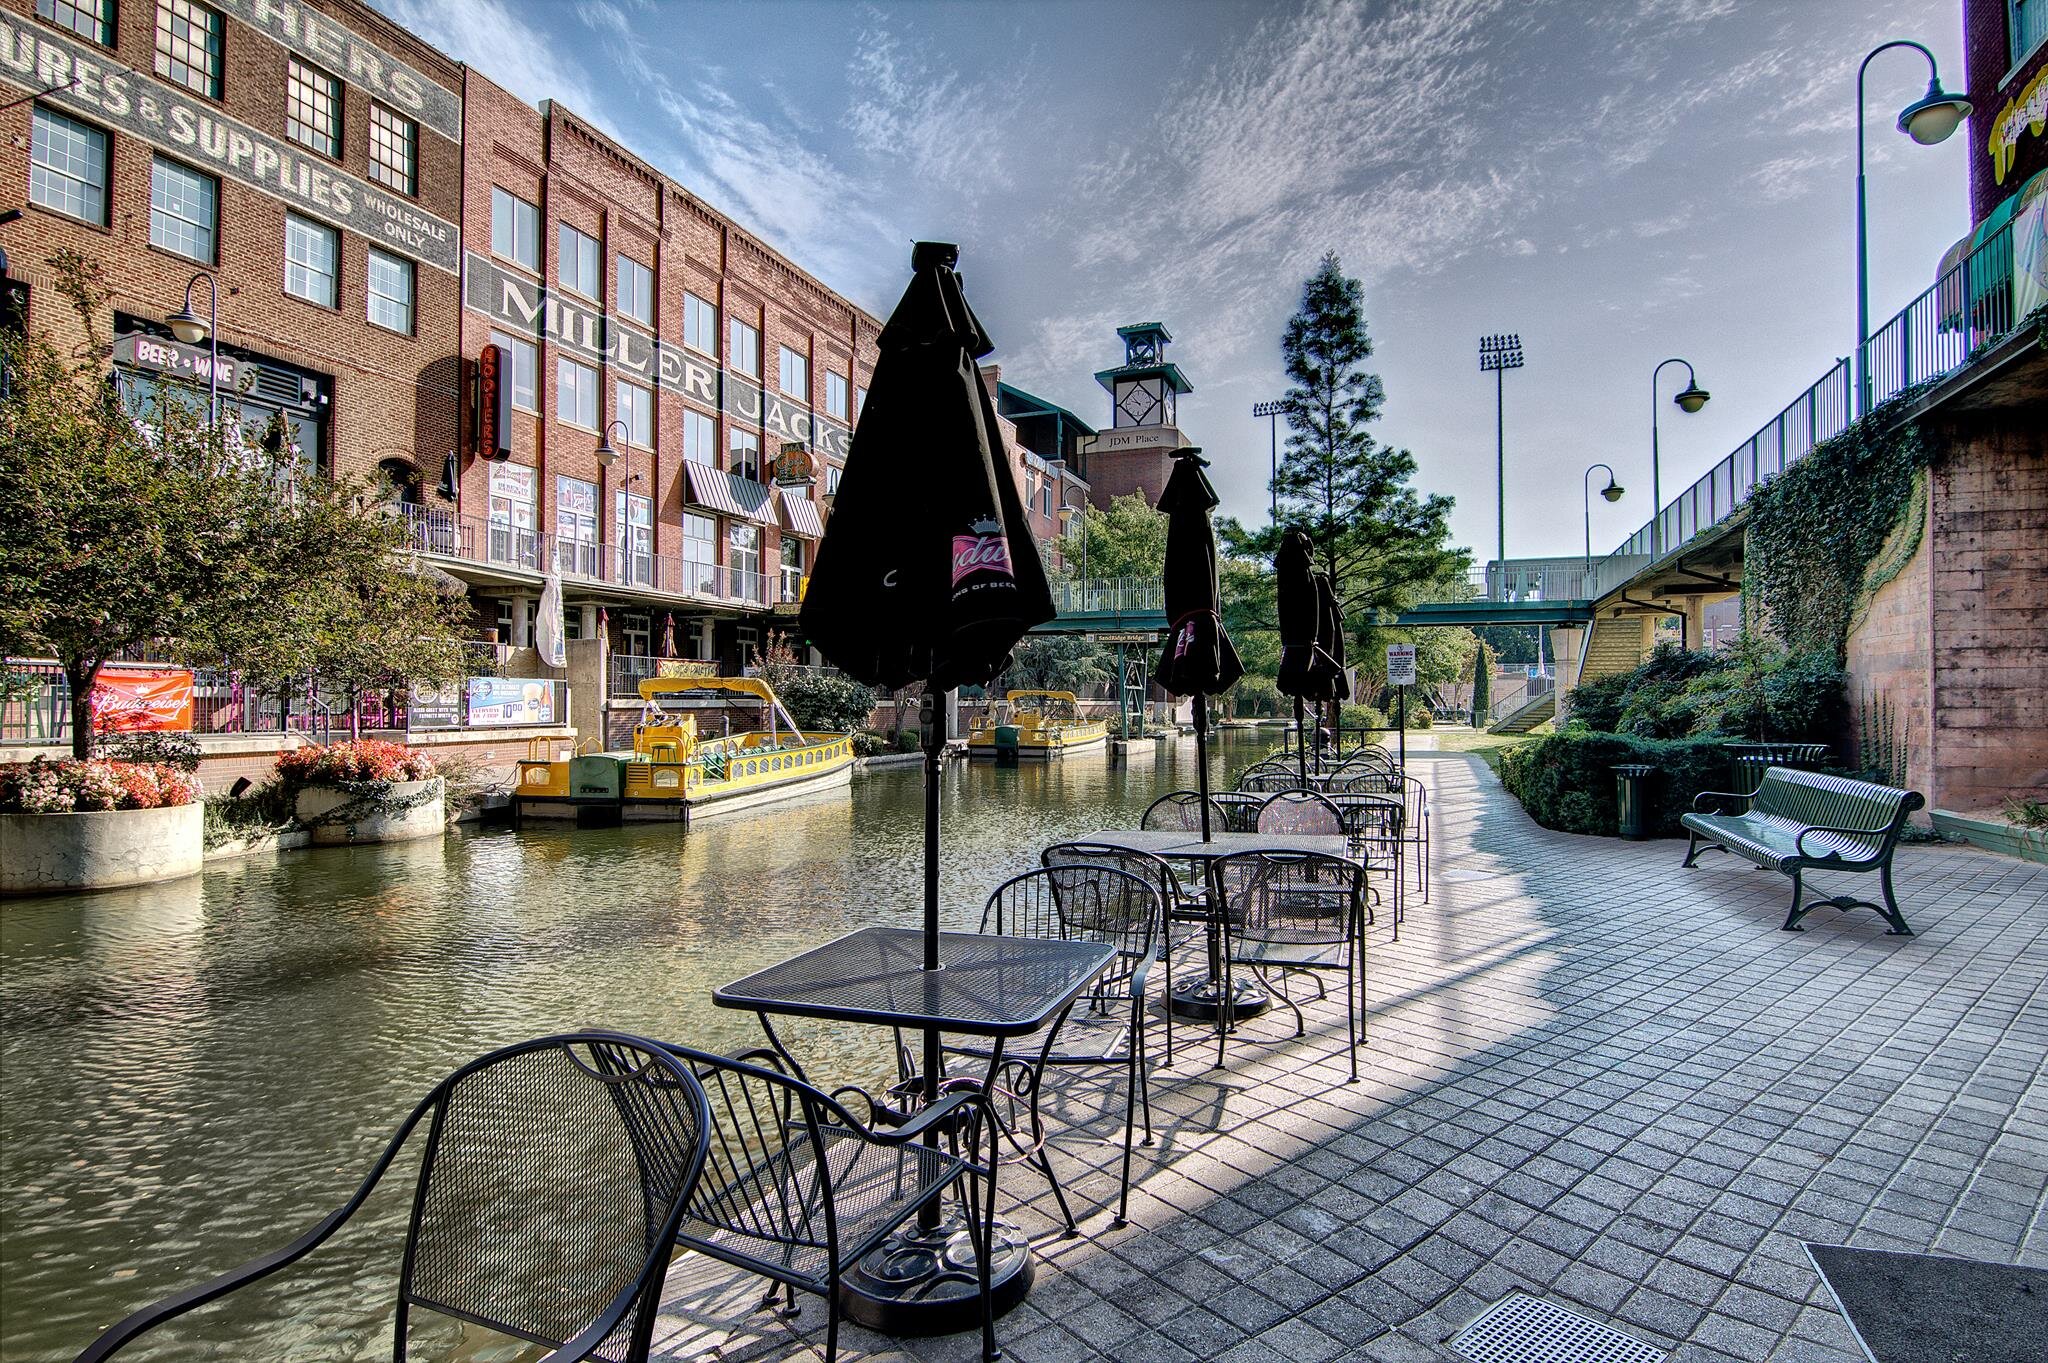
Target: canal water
(192,1073)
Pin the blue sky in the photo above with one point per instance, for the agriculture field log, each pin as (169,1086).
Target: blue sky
(1616,180)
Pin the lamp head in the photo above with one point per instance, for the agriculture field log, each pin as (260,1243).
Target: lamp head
(607,453)
(189,326)
(1612,492)
(1932,117)
(1691,398)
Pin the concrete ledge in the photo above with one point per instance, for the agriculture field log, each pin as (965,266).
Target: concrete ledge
(411,809)
(100,849)
(1994,834)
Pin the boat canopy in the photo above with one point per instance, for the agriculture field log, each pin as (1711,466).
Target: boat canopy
(1068,696)
(654,689)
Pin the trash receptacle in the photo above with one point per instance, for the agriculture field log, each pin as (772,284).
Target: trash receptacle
(1632,799)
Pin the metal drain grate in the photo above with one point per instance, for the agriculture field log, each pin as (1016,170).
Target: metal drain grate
(1520,1328)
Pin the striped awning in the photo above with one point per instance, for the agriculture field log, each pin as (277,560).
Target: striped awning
(728,493)
(800,513)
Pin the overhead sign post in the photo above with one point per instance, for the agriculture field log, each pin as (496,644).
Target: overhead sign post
(1401,676)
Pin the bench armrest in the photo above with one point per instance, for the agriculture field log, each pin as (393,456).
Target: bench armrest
(1799,843)
(1701,805)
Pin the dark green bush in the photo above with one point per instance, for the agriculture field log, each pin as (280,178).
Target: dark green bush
(1753,691)
(1566,780)
(825,702)
(1419,717)
(1359,717)
(1596,704)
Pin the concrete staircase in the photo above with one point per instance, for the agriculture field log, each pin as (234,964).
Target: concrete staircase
(1528,716)
(1614,645)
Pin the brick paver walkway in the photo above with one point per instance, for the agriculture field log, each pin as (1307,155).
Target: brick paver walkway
(1591,1075)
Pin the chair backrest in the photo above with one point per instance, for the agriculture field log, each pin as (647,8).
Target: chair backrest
(1818,801)
(1079,902)
(1373,823)
(1295,897)
(1300,811)
(1240,810)
(554,1179)
(1155,870)
(1180,809)
(1267,782)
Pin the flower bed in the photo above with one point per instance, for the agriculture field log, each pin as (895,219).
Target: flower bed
(365,791)
(95,825)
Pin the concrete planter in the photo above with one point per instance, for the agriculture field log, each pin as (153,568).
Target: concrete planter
(100,849)
(1994,834)
(407,810)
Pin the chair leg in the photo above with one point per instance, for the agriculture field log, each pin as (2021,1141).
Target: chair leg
(1351,1017)
(1891,905)
(1145,1079)
(1041,1155)
(832,1323)
(1792,918)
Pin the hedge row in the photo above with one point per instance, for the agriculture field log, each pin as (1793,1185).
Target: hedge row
(1566,780)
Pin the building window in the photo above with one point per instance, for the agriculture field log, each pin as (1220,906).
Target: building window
(792,566)
(2026,25)
(700,325)
(512,524)
(636,633)
(576,265)
(636,291)
(391,292)
(860,400)
(576,393)
(394,150)
(312,108)
(515,229)
(835,395)
(633,536)
(67,166)
(700,554)
(312,259)
(743,553)
(700,438)
(521,360)
(183,209)
(747,639)
(746,455)
(796,375)
(636,409)
(92,19)
(743,349)
(575,526)
(188,46)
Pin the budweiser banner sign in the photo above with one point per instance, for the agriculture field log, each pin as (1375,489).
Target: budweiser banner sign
(136,699)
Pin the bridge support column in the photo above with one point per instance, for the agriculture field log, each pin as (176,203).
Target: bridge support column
(1566,641)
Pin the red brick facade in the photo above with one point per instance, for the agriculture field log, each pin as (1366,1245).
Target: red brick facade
(374,394)
(2008,100)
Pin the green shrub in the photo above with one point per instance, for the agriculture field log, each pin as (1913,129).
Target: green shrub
(1419,717)
(907,740)
(867,743)
(1258,697)
(825,702)
(1566,780)
(1596,704)
(1754,690)
(1359,717)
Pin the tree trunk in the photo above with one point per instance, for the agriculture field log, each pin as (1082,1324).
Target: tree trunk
(81,676)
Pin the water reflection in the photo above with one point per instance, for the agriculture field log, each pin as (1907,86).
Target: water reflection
(190,1072)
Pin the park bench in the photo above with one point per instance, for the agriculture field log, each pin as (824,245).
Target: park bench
(1799,821)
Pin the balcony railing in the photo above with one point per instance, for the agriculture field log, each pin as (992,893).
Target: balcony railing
(472,539)
(1105,595)
(1969,307)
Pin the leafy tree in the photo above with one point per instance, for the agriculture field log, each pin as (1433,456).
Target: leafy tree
(1482,684)
(167,531)
(1126,540)
(1059,663)
(1511,644)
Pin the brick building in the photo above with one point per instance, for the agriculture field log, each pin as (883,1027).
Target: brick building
(1135,453)
(2005,47)
(305,155)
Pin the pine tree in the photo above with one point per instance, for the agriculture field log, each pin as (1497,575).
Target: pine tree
(1373,534)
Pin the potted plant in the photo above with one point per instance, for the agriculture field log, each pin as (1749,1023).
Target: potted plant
(97,824)
(364,791)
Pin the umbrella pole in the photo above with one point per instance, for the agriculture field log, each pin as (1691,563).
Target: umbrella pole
(932,730)
(1202,759)
(1300,741)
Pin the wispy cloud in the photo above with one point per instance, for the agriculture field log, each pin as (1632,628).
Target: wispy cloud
(950,131)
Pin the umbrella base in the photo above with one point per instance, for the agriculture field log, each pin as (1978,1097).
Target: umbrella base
(923,1282)
(1198,997)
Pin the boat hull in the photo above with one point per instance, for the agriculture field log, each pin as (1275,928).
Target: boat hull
(606,789)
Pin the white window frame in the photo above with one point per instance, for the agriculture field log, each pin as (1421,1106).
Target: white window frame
(321,88)
(793,374)
(636,304)
(521,221)
(700,324)
(389,128)
(313,231)
(575,389)
(700,437)
(576,532)
(200,80)
(743,454)
(94,147)
(161,170)
(578,263)
(743,348)
(522,361)
(636,410)
(402,307)
(836,390)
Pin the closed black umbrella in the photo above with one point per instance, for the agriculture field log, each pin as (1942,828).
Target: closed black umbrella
(1294,591)
(1329,683)
(927,571)
(1199,659)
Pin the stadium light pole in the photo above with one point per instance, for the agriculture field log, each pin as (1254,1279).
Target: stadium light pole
(1497,355)
(1271,411)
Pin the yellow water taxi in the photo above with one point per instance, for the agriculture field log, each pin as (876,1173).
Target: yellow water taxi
(1034,724)
(674,771)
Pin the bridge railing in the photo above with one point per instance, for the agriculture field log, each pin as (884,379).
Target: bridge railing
(1108,595)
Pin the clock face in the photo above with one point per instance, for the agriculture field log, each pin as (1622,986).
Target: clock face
(1139,404)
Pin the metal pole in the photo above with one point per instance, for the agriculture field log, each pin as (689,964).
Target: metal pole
(213,349)
(1401,710)
(1862,217)
(1500,465)
(1273,482)
(931,707)
(1202,759)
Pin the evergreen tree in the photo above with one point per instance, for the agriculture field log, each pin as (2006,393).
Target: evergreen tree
(1372,533)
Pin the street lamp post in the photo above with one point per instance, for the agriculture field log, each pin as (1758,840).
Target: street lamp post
(189,327)
(1271,411)
(607,455)
(1612,492)
(1688,399)
(1497,355)
(1927,120)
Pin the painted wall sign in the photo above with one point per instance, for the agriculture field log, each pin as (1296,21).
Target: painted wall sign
(2024,113)
(345,53)
(189,362)
(519,305)
(195,131)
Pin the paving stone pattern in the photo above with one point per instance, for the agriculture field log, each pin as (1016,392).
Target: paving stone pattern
(1590,1075)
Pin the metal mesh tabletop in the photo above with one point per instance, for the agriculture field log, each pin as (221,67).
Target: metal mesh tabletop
(1168,842)
(986,985)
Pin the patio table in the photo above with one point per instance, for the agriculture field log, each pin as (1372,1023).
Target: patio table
(1199,996)
(986,985)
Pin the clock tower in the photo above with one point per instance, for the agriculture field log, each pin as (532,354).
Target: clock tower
(1133,455)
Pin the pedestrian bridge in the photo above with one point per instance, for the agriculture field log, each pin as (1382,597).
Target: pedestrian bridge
(1107,605)
(1517,592)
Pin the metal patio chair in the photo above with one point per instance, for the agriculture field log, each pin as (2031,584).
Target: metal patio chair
(1180,810)
(553,1179)
(1177,905)
(1304,812)
(1294,913)
(1086,903)
(799,1190)
(1375,826)
(1271,782)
